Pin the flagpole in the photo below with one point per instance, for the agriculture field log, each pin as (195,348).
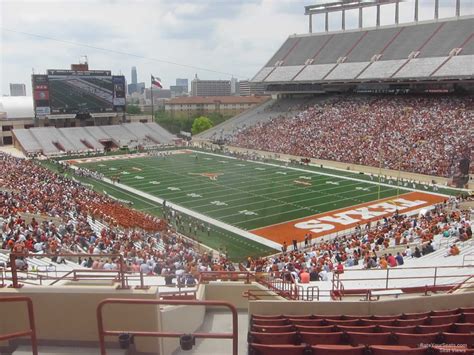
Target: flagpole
(152,107)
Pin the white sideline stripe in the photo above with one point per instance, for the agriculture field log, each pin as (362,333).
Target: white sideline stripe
(200,216)
(327,174)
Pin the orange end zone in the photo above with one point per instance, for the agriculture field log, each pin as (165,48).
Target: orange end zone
(345,218)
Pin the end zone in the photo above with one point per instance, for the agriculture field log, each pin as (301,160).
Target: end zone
(342,219)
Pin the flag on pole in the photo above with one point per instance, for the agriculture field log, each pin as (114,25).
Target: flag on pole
(156,82)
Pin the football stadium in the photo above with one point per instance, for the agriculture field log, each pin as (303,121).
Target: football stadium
(333,217)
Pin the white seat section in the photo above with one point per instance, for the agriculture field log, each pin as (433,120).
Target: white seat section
(457,66)
(166,137)
(122,136)
(78,135)
(382,69)
(43,136)
(314,72)
(346,71)
(420,67)
(27,140)
(262,74)
(284,73)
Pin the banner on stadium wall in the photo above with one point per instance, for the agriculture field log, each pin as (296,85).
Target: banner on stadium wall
(119,90)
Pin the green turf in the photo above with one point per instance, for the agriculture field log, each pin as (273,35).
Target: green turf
(248,195)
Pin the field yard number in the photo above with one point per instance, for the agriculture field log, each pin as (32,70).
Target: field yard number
(362,188)
(248,213)
(154,182)
(332,182)
(193,195)
(174,188)
(139,177)
(219,203)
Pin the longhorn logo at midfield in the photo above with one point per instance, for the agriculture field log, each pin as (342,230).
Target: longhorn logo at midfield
(211,176)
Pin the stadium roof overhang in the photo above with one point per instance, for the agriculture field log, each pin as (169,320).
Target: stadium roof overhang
(345,5)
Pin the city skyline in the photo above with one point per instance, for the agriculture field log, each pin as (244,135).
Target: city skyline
(227,45)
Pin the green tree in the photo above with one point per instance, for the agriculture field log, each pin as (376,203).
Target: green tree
(133,109)
(200,124)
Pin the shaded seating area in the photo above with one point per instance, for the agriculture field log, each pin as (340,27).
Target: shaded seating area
(415,333)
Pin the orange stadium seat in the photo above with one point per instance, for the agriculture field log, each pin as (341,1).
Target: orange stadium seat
(272,338)
(338,350)
(261,349)
(415,315)
(466,309)
(356,338)
(273,328)
(424,329)
(467,317)
(408,329)
(307,322)
(366,321)
(273,322)
(328,316)
(459,339)
(316,329)
(298,316)
(321,338)
(414,321)
(357,328)
(264,316)
(452,318)
(343,321)
(415,340)
(386,317)
(396,350)
(446,312)
(464,327)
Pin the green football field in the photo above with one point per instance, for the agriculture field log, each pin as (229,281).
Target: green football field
(244,194)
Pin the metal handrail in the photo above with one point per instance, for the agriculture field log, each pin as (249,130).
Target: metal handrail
(14,271)
(31,318)
(103,333)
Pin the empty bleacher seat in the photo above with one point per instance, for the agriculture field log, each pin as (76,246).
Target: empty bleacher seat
(343,321)
(414,340)
(365,321)
(273,329)
(407,329)
(423,329)
(316,328)
(459,339)
(338,350)
(264,316)
(357,328)
(281,321)
(396,350)
(415,315)
(321,338)
(273,338)
(464,327)
(267,349)
(415,321)
(356,338)
(308,322)
(452,318)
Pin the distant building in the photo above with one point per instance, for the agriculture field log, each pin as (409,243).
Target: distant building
(134,75)
(17,90)
(178,90)
(184,83)
(158,94)
(136,88)
(234,86)
(248,88)
(196,105)
(210,87)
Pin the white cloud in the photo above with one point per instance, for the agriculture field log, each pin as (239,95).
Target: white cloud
(230,36)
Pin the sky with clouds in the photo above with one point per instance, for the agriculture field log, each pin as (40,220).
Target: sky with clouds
(215,39)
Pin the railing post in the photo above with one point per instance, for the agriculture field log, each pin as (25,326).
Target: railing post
(435,274)
(386,281)
(14,272)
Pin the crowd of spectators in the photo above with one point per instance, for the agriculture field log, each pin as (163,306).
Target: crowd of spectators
(371,246)
(44,212)
(420,134)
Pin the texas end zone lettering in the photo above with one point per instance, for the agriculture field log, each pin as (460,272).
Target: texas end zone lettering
(346,218)
(358,215)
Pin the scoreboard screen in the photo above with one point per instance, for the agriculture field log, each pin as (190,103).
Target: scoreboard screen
(78,92)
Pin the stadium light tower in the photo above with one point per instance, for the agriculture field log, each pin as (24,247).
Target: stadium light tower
(344,5)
